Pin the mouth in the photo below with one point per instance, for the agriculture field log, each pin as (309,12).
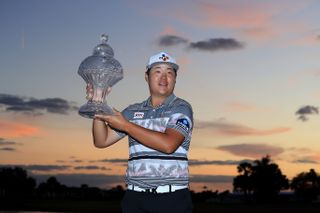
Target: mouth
(163,85)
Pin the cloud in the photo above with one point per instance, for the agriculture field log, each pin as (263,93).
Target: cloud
(91,168)
(211,178)
(305,161)
(121,162)
(8,149)
(37,168)
(115,160)
(36,106)
(304,111)
(4,142)
(212,44)
(56,168)
(7,145)
(215,162)
(10,129)
(171,40)
(301,155)
(252,150)
(215,44)
(259,33)
(226,14)
(169,30)
(257,19)
(229,129)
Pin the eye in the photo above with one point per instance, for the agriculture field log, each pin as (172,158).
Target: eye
(170,72)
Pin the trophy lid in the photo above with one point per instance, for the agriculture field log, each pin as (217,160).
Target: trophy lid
(101,68)
(103,49)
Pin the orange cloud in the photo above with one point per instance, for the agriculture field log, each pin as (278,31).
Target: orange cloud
(258,20)
(234,16)
(228,15)
(252,150)
(10,129)
(169,30)
(259,33)
(302,155)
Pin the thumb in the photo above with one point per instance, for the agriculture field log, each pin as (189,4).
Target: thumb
(108,90)
(101,117)
(115,111)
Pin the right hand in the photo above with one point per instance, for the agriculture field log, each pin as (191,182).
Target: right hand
(97,95)
(89,91)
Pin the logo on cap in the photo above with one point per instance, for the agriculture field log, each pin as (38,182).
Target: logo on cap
(164,57)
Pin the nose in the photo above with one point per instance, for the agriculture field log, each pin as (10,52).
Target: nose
(163,75)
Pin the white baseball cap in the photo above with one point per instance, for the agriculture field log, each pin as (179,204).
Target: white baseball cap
(162,57)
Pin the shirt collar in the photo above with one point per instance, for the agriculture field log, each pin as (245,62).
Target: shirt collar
(167,101)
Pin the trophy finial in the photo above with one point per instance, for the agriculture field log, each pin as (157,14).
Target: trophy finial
(104,38)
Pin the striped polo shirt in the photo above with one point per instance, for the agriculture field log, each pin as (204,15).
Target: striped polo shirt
(148,168)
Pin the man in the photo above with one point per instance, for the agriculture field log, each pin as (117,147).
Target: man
(159,131)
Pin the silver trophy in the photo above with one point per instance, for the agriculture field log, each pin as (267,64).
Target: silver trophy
(101,71)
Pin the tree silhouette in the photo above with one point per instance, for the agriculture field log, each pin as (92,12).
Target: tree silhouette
(14,182)
(263,178)
(268,179)
(51,188)
(243,182)
(306,185)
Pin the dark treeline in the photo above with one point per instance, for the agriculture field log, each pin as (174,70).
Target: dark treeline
(16,184)
(259,181)
(262,181)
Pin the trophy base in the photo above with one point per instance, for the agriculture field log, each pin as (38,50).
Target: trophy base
(91,108)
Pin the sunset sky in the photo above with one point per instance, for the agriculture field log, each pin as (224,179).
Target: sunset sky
(250,69)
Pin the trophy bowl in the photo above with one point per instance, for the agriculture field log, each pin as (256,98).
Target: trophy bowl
(101,71)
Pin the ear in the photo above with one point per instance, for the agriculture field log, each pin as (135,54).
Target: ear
(146,77)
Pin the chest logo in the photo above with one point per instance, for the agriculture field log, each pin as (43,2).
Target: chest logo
(138,115)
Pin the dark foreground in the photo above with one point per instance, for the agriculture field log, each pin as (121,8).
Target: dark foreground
(114,206)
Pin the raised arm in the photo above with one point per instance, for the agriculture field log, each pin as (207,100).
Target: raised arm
(166,142)
(103,135)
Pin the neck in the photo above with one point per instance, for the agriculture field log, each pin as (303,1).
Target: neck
(157,100)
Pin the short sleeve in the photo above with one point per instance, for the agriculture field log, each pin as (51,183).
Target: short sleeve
(181,119)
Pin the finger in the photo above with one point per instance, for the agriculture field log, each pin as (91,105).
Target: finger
(109,90)
(115,111)
(99,116)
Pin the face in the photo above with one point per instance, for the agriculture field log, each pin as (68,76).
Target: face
(161,80)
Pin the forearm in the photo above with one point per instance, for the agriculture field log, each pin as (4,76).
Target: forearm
(161,141)
(99,133)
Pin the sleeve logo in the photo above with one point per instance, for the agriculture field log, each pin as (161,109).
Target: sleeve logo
(184,123)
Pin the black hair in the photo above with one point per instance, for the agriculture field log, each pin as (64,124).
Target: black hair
(148,71)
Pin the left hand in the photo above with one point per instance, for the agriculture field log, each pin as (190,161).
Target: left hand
(116,121)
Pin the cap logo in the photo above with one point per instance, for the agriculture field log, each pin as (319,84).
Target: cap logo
(164,57)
